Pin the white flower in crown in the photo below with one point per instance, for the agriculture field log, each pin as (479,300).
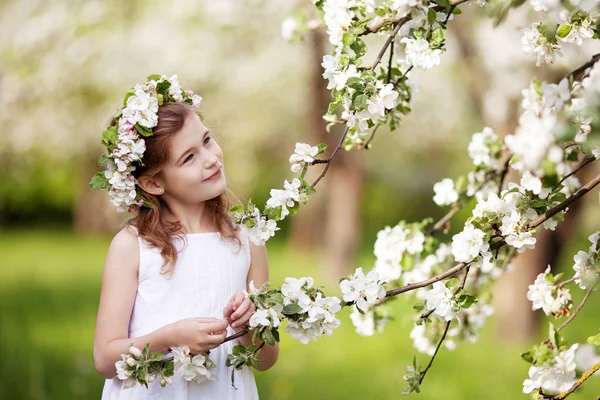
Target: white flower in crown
(124,142)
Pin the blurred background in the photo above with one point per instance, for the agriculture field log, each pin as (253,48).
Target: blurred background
(65,67)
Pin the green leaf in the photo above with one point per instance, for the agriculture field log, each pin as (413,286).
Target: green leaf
(451,283)
(563,31)
(153,77)
(548,31)
(110,134)
(163,87)
(127,96)
(169,368)
(594,340)
(321,147)
(437,37)
(527,357)
(467,300)
(291,309)
(146,350)
(419,306)
(99,181)
(355,83)
(155,357)
(431,16)
(103,159)
(360,102)
(443,3)
(143,130)
(573,156)
(274,213)
(348,39)
(268,337)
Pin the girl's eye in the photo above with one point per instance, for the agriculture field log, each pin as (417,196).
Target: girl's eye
(207,140)
(188,158)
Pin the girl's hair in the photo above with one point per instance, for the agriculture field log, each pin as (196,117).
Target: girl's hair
(150,221)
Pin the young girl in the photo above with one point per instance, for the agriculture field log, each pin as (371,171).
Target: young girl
(175,275)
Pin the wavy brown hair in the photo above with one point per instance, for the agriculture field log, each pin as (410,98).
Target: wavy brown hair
(150,221)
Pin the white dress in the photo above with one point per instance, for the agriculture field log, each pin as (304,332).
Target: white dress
(208,272)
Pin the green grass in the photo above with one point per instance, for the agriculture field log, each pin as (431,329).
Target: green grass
(49,291)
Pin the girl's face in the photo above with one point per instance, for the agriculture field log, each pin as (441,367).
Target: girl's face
(194,172)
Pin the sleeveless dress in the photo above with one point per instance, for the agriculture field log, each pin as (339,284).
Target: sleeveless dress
(207,273)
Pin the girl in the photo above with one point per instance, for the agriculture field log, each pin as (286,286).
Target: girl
(175,274)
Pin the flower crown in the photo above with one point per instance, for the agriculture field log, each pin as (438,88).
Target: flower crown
(124,140)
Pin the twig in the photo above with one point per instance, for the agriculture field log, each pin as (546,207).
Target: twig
(330,159)
(585,298)
(587,160)
(424,372)
(579,70)
(368,142)
(389,40)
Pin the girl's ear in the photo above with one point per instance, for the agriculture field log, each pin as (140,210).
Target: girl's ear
(150,185)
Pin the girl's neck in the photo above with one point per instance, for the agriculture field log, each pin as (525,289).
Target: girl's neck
(191,222)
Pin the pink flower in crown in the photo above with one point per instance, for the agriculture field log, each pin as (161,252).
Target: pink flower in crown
(127,129)
(151,86)
(189,93)
(132,208)
(196,100)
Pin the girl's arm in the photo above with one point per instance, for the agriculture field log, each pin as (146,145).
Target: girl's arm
(119,287)
(259,273)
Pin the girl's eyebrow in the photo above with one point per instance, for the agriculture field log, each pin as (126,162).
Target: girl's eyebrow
(191,148)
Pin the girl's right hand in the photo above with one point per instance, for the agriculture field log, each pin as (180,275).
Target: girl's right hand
(199,334)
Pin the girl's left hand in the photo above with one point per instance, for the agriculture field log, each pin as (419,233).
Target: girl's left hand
(238,311)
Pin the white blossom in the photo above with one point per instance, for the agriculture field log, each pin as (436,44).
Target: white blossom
(537,46)
(441,300)
(479,148)
(555,96)
(544,295)
(363,289)
(514,234)
(420,54)
(553,377)
(303,155)
(445,194)
(267,317)
(467,244)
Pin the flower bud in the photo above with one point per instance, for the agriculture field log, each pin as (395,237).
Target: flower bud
(134,351)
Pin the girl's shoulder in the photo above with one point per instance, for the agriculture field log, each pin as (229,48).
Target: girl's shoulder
(126,240)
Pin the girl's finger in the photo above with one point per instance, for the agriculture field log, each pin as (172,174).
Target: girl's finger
(241,309)
(243,320)
(239,297)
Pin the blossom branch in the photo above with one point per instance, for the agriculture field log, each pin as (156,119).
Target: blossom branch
(576,385)
(413,286)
